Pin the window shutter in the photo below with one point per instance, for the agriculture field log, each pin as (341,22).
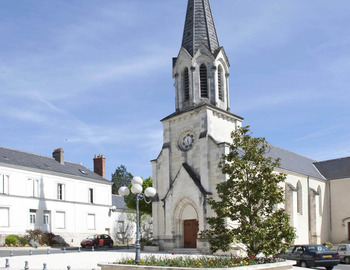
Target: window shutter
(204,81)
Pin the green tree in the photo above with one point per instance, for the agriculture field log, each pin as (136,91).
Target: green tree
(120,178)
(251,196)
(144,208)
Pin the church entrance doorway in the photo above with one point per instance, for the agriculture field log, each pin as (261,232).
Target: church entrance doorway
(191,228)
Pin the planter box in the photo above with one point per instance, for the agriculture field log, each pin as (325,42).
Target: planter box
(151,248)
(267,266)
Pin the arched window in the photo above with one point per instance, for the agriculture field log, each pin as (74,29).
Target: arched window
(204,81)
(299,198)
(220,84)
(320,202)
(186,85)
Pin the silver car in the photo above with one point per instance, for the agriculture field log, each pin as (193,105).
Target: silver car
(344,252)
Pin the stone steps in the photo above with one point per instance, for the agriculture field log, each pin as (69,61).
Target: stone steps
(186,251)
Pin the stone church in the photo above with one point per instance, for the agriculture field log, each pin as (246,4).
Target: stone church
(197,134)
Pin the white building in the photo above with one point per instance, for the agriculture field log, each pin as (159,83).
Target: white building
(197,134)
(53,195)
(122,222)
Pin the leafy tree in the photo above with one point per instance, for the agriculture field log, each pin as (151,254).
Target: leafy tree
(144,208)
(120,178)
(251,196)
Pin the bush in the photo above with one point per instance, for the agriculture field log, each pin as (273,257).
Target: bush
(47,238)
(328,245)
(34,235)
(22,240)
(11,240)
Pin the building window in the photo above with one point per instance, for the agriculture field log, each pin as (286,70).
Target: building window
(60,220)
(91,195)
(186,84)
(120,226)
(33,188)
(204,81)
(46,217)
(60,191)
(32,216)
(4,184)
(4,217)
(91,221)
(299,198)
(220,84)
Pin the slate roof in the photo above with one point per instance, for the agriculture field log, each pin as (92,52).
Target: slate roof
(335,168)
(47,164)
(119,203)
(294,162)
(196,179)
(199,27)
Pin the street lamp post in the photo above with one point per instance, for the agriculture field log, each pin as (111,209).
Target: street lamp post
(136,188)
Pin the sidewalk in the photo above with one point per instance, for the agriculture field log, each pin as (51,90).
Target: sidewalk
(77,261)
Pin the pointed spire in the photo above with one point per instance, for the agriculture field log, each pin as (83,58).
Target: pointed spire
(199,27)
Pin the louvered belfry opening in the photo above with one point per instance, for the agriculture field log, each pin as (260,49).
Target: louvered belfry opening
(220,86)
(204,81)
(186,84)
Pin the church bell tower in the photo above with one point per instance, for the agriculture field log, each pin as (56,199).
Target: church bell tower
(201,68)
(195,136)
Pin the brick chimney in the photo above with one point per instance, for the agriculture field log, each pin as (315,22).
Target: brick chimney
(99,165)
(58,155)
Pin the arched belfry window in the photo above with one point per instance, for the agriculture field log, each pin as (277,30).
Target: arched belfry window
(186,81)
(220,84)
(204,81)
(299,198)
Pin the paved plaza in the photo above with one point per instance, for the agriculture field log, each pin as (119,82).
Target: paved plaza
(85,260)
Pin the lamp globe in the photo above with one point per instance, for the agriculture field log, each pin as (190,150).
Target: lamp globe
(136,188)
(123,191)
(137,180)
(150,192)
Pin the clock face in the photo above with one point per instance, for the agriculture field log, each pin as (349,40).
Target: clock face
(186,141)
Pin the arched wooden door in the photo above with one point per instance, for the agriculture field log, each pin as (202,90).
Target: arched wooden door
(191,228)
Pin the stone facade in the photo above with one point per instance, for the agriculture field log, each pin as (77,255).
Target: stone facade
(196,136)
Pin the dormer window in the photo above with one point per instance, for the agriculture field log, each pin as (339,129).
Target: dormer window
(186,85)
(204,81)
(220,84)
(83,172)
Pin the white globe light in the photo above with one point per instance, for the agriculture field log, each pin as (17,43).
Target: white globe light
(137,180)
(136,188)
(150,192)
(123,191)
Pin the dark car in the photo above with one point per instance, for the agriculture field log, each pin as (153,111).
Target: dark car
(311,256)
(97,240)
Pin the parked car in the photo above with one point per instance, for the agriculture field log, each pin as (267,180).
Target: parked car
(97,240)
(311,256)
(344,252)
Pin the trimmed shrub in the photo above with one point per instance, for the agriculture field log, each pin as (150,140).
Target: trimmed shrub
(22,240)
(11,240)
(47,238)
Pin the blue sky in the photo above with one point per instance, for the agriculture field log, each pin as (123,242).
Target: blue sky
(95,76)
